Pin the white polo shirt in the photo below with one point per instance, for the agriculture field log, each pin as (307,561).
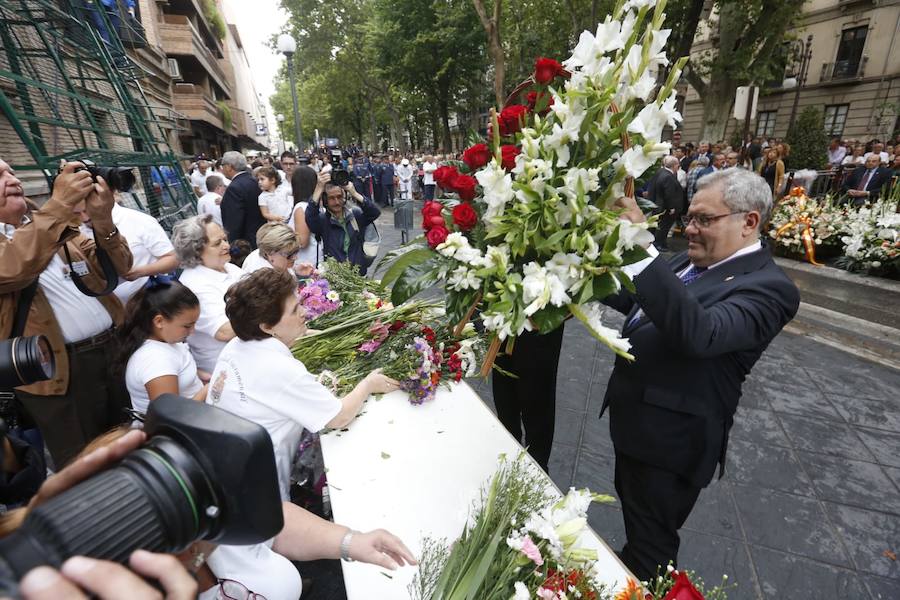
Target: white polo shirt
(146,239)
(158,359)
(198,180)
(259,568)
(255,262)
(209,204)
(210,286)
(279,202)
(261,381)
(428,169)
(79,316)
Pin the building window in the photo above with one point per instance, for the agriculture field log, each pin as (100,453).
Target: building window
(765,123)
(835,118)
(850,51)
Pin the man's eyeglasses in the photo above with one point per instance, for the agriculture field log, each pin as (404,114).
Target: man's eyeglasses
(229,589)
(704,221)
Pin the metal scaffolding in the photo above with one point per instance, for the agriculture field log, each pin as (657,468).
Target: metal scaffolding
(70,91)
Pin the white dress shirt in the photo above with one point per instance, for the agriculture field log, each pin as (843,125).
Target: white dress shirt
(210,286)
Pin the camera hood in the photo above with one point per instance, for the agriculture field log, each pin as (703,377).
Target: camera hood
(239,461)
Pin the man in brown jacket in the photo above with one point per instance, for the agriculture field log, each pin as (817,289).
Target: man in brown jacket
(83,399)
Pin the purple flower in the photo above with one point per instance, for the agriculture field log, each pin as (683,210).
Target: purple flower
(370,346)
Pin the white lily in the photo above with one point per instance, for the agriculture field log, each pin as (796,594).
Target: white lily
(463,279)
(590,49)
(591,314)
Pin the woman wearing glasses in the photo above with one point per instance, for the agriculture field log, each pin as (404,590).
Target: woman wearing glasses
(276,248)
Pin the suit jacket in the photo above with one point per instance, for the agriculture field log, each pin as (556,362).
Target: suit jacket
(241,216)
(876,182)
(674,405)
(666,192)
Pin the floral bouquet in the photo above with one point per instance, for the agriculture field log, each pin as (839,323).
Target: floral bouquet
(872,240)
(338,292)
(802,225)
(519,543)
(532,236)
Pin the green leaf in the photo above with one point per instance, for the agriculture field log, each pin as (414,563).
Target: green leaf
(604,285)
(404,261)
(626,281)
(612,239)
(636,254)
(550,318)
(411,282)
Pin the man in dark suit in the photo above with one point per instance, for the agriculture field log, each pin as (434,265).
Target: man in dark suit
(668,195)
(865,183)
(241,216)
(697,325)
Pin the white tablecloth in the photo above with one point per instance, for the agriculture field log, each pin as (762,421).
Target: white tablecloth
(416,471)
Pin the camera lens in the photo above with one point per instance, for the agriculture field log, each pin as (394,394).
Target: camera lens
(25,360)
(121,179)
(340,177)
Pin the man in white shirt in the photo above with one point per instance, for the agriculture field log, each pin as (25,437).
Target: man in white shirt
(428,169)
(697,324)
(151,249)
(198,177)
(210,202)
(878,150)
(836,152)
(288,164)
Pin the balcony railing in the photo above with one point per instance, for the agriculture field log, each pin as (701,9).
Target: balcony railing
(180,38)
(843,70)
(192,102)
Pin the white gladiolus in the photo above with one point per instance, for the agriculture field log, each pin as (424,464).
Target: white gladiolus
(649,123)
(590,50)
(591,314)
(521,591)
(631,234)
(540,288)
(463,279)
(635,162)
(673,117)
(497,323)
(567,267)
(454,242)
(497,186)
(588,179)
(638,4)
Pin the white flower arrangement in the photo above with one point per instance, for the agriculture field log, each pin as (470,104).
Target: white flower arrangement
(872,239)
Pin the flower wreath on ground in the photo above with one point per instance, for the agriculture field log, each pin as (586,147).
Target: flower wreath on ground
(531,235)
(803,225)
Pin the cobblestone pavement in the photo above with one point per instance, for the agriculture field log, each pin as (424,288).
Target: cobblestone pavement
(810,503)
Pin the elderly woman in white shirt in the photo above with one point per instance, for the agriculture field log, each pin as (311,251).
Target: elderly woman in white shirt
(201,246)
(276,248)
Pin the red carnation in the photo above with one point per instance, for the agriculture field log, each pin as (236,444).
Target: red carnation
(436,236)
(511,118)
(535,98)
(444,175)
(546,70)
(476,156)
(464,216)
(464,186)
(509,154)
(432,208)
(433,221)
(683,589)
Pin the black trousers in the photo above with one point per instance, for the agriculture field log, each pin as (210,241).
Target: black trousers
(666,221)
(389,194)
(655,504)
(530,399)
(92,405)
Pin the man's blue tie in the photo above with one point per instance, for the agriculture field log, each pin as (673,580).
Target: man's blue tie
(687,277)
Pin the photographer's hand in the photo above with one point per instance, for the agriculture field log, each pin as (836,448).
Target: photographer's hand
(106,580)
(99,207)
(71,187)
(87,466)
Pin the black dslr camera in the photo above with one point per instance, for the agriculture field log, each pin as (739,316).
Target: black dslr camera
(339,175)
(25,360)
(119,179)
(204,473)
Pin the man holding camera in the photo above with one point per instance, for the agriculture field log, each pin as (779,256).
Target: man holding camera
(342,229)
(38,296)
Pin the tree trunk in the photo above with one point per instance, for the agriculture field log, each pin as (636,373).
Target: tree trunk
(717,103)
(495,48)
(445,121)
(373,123)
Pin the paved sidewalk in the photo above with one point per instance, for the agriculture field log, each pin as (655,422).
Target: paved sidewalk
(810,503)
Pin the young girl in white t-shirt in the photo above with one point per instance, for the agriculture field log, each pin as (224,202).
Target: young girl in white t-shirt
(275,202)
(157,361)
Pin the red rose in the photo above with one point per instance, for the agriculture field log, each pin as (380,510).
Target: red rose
(683,589)
(509,154)
(476,156)
(535,98)
(464,186)
(436,236)
(432,208)
(464,216)
(433,221)
(443,175)
(546,70)
(511,118)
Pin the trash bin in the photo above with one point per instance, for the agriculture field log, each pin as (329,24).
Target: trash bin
(403,218)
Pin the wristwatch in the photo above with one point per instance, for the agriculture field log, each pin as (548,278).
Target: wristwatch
(345,545)
(111,234)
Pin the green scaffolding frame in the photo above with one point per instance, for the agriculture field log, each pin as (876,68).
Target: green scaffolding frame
(70,91)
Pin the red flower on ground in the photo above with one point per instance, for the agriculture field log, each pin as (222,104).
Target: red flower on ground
(432,208)
(546,70)
(511,118)
(476,156)
(436,236)
(683,589)
(464,185)
(444,175)
(397,326)
(535,98)
(433,221)
(464,216)
(508,154)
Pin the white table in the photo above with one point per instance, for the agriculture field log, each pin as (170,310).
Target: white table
(416,471)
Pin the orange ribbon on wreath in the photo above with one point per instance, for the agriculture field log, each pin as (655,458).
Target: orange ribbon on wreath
(806,236)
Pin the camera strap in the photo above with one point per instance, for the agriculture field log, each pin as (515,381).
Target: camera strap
(22,308)
(109,273)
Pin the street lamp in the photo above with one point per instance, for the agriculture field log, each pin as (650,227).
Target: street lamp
(796,82)
(280,118)
(287,46)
